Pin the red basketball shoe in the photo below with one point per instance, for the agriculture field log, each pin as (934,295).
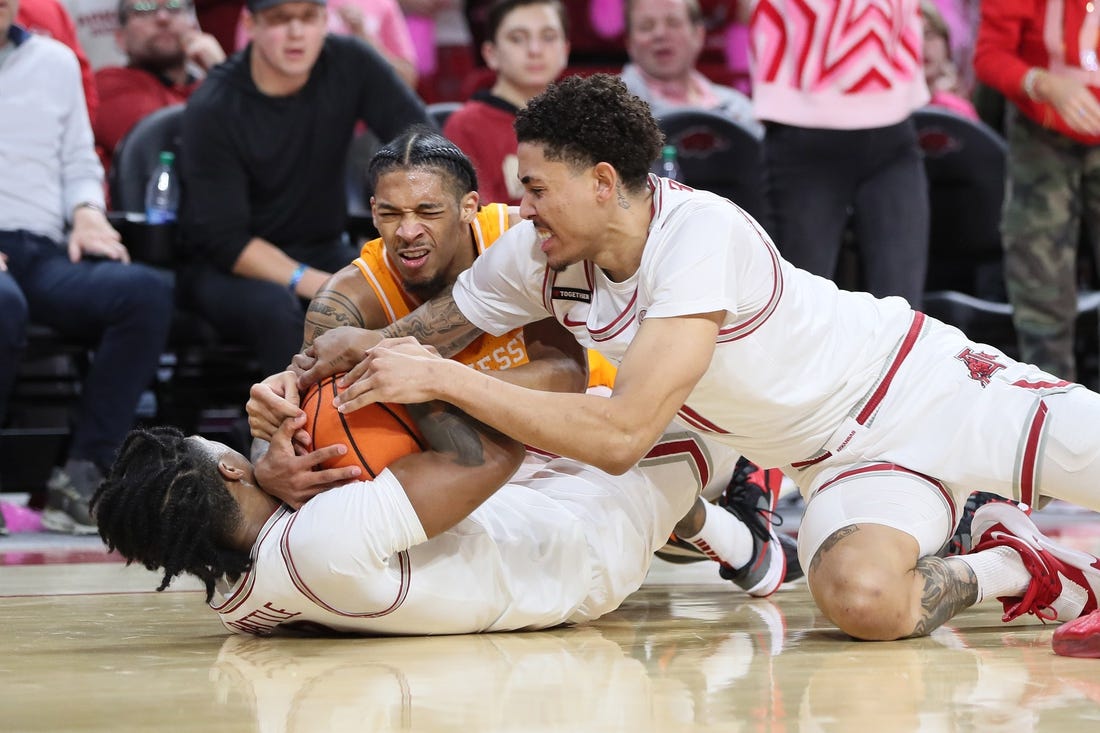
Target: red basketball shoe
(1079,638)
(1064,582)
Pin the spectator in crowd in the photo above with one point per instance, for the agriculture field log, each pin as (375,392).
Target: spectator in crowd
(528,49)
(264,144)
(1053,132)
(379,23)
(940,72)
(96,24)
(62,264)
(166,54)
(49,18)
(840,146)
(664,39)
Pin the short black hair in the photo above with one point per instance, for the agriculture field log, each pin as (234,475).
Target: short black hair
(164,505)
(500,9)
(422,147)
(583,121)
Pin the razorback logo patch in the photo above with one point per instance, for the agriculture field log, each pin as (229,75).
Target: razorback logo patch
(980,365)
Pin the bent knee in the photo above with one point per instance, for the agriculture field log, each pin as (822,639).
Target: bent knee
(863,583)
(868,605)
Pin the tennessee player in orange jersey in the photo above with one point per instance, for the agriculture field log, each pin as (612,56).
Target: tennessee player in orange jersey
(426,208)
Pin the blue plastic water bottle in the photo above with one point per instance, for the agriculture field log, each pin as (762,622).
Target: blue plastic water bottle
(162,194)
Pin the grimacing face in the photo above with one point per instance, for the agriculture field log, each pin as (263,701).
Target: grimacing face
(560,202)
(424,227)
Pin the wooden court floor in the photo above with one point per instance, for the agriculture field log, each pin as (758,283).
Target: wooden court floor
(87,646)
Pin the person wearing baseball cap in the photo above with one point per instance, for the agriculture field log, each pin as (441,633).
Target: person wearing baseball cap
(263,157)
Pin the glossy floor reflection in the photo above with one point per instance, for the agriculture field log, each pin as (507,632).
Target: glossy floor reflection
(686,653)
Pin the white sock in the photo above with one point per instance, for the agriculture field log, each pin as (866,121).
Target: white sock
(723,537)
(1000,572)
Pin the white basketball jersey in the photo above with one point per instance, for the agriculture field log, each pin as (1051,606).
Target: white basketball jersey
(792,358)
(564,542)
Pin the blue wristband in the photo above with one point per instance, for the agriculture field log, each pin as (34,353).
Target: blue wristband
(296,277)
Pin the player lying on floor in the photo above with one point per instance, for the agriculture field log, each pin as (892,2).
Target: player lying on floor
(437,543)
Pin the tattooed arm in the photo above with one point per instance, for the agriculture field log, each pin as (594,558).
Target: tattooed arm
(438,323)
(345,300)
(467,464)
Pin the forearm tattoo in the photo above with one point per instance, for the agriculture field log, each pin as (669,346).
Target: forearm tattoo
(330,309)
(449,431)
(438,322)
(949,587)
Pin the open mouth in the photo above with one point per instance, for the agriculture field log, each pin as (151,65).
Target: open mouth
(414,257)
(544,237)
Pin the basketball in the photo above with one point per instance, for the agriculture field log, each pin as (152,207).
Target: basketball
(375,435)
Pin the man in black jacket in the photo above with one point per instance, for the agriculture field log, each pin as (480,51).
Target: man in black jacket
(265,140)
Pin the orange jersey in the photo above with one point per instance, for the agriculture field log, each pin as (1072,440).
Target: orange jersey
(486,352)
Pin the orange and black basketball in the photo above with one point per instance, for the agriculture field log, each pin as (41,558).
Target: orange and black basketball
(375,435)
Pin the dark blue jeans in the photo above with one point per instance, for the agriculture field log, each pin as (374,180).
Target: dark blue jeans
(264,316)
(818,180)
(122,311)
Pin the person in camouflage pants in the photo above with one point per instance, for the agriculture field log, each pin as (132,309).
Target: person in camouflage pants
(1053,197)
(1044,59)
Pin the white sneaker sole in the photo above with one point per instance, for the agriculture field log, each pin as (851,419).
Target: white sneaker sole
(774,577)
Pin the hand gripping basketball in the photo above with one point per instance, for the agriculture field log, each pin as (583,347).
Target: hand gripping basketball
(376,435)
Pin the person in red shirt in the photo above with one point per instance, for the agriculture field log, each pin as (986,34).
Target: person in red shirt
(167,52)
(1042,56)
(527,48)
(50,18)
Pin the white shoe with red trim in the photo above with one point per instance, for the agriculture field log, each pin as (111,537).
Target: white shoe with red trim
(1064,582)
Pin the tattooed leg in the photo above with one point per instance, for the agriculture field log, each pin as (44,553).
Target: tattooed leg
(870,581)
(948,587)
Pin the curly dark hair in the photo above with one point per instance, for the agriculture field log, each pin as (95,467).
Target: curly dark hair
(582,121)
(165,505)
(422,147)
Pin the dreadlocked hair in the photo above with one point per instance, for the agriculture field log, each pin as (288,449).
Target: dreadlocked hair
(164,505)
(422,147)
(582,121)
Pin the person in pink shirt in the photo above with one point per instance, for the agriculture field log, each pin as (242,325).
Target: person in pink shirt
(840,147)
(378,22)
